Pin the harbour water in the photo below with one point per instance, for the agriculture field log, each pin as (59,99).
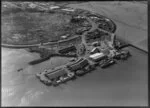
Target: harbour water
(124,83)
(18,78)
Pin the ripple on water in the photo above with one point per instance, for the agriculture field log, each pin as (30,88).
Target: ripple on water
(8,92)
(11,95)
(18,86)
(30,97)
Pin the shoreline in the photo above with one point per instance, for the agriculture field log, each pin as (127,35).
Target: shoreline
(37,61)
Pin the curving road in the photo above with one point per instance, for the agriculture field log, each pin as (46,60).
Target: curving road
(37,45)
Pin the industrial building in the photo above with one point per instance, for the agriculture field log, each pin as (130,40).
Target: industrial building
(95,50)
(80,64)
(97,56)
(55,74)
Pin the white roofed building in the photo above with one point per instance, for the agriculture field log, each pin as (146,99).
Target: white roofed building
(97,56)
(54,7)
(68,9)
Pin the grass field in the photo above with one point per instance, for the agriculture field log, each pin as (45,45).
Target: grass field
(26,28)
(20,26)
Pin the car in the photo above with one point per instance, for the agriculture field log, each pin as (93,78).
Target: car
(107,62)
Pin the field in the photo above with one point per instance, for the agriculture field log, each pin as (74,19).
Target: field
(26,27)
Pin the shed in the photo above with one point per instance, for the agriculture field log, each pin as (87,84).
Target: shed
(54,7)
(79,65)
(95,50)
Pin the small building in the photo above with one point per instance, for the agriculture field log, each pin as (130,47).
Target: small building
(97,56)
(54,7)
(96,43)
(71,10)
(95,50)
(65,36)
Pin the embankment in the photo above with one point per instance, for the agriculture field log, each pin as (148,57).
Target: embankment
(48,57)
(37,45)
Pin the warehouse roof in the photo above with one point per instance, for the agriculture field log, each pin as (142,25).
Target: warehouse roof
(75,62)
(78,65)
(56,73)
(97,55)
